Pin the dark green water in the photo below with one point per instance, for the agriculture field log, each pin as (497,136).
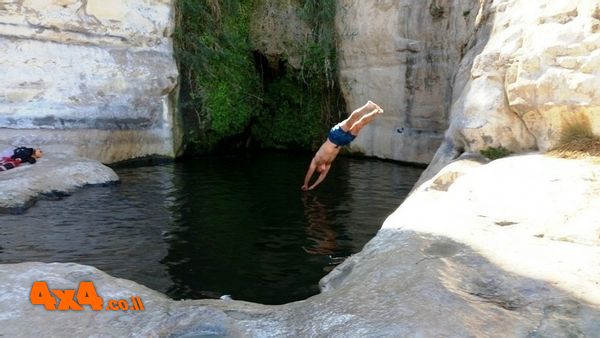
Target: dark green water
(202,229)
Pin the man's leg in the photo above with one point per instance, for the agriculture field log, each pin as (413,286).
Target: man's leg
(364,120)
(357,114)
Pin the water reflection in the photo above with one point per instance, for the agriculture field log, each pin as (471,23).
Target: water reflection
(238,226)
(318,228)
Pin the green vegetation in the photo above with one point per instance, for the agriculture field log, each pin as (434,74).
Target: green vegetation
(436,11)
(291,117)
(303,103)
(494,153)
(219,87)
(225,100)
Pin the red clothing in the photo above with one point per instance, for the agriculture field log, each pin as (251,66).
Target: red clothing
(8,163)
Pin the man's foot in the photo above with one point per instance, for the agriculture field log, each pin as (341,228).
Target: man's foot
(371,106)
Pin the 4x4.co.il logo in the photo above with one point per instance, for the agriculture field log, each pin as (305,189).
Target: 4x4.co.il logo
(86,294)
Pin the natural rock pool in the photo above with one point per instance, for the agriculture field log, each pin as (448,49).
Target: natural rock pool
(201,229)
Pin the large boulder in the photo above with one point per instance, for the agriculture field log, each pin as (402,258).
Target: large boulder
(88,77)
(506,249)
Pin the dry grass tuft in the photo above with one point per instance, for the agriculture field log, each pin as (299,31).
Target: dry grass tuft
(580,148)
(577,139)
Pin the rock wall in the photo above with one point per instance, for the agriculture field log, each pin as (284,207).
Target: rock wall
(539,65)
(533,66)
(88,77)
(278,33)
(403,55)
(490,73)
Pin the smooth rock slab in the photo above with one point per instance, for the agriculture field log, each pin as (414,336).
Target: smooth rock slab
(162,317)
(52,175)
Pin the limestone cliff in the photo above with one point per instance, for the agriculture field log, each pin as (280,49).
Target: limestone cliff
(489,73)
(88,77)
(403,55)
(534,65)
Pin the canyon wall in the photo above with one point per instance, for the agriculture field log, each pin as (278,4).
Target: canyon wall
(507,248)
(544,57)
(99,79)
(468,75)
(533,69)
(88,77)
(403,55)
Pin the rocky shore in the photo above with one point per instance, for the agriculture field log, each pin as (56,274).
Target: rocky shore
(505,249)
(52,176)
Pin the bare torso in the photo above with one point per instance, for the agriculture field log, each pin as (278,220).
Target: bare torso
(326,153)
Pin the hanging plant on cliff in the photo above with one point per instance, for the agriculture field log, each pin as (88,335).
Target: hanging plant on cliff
(304,102)
(320,58)
(219,87)
(222,97)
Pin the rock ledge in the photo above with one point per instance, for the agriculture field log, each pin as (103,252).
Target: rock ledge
(53,175)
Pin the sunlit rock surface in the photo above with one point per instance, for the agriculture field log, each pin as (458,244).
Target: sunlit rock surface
(506,249)
(162,317)
(52,176)
(502,73)
(403,55)
(533,67)
(92,78)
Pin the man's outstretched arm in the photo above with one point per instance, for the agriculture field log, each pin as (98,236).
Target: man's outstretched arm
(309,173)
(321,177)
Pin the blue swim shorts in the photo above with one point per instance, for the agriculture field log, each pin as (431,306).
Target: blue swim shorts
(339,137)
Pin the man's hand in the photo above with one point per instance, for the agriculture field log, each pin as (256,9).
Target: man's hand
(304,187)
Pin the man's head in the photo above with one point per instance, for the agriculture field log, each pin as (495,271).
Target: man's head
(37,153)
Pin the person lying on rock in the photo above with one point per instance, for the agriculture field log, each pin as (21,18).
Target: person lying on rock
(340,135)
(20,155)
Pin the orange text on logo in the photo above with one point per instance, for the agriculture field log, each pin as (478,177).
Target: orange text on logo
(69,299)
